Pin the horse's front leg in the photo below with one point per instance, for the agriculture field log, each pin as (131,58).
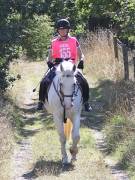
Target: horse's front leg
(75,137)
(60,128)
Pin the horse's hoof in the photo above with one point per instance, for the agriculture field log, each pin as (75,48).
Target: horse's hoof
(73,151)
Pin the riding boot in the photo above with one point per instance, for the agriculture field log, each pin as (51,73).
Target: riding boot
(42,91)
(84,86)
(45,83)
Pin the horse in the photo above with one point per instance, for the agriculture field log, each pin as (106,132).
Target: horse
(64,103)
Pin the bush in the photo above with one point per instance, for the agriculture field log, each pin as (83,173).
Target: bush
(115,132)
(38,34)
(128,158)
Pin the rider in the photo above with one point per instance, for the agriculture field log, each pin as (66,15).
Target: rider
(64,47)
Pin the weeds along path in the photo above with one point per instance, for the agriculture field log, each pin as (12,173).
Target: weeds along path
(37,154)
(24,98)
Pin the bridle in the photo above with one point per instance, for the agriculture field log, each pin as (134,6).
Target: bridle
(61,95)
(68,95)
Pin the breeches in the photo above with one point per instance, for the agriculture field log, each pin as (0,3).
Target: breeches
(47,80)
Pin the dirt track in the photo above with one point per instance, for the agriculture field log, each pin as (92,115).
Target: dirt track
(91,163)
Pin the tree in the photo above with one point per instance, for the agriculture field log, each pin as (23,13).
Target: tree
(38,34)
(14,15)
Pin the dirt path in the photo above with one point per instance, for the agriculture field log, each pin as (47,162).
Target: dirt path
(22,159)
(37,155)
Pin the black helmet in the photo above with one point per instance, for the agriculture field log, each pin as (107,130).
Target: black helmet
(63,24)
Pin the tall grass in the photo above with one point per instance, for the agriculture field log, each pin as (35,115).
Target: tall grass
(117,94)
(99,56)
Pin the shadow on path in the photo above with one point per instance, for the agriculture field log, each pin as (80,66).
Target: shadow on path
(43,167)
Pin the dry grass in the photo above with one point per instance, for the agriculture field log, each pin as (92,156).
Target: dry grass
(100,59)
(45,143)
(6,139)
(30,74)
(46,150)
(101,64)
(120,128)
(118,96)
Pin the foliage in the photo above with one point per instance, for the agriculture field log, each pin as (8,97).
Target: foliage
(22,20)
(14,17)
(128,156)
(120,12)
(116,133)
(38,35)
(125,17)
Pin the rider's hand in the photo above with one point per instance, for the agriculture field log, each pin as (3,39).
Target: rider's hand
(81,65)
(50,64)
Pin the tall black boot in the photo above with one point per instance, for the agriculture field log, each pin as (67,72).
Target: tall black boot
(46,81)
(85,90)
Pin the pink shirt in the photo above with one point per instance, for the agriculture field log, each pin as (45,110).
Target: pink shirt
(65,49)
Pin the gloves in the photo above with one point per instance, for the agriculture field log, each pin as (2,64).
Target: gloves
(80,65)
(50,64)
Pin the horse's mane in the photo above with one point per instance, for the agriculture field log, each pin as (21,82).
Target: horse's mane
(67,66)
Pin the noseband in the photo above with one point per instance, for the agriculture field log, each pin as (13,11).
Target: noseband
(61,96)
(66,95)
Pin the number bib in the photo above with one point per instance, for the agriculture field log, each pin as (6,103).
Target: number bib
(65,49)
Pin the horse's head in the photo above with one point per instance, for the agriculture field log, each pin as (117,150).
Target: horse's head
(67,82)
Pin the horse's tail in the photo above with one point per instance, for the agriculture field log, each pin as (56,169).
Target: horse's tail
(67,128)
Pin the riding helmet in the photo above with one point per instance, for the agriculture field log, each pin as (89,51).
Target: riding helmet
(63,24)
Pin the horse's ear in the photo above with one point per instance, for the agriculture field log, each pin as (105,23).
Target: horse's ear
(61,68)
(74,68)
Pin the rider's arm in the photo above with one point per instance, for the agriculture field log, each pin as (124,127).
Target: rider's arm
(80,57)
(79,51)
(80,54)
(49,58)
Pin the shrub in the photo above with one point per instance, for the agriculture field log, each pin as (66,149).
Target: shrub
(38,34)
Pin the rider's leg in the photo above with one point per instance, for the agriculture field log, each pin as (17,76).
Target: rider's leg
(41,94)
(46,81)
(85,90)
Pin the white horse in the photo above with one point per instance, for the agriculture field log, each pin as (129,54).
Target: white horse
(65,101)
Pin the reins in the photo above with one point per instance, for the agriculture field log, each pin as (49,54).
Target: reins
(61,96)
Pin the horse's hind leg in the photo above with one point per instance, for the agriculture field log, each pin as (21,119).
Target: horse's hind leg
(75,138)
(60,129)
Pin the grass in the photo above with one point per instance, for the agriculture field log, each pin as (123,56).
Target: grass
(106,72)
(46,152)
(6,138)
(101,63)
(102,70)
